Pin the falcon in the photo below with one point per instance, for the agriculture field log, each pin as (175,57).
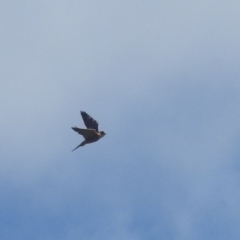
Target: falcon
(91,134)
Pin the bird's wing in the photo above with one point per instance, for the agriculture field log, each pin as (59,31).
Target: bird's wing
(80,145)
(89,121)
(86,133)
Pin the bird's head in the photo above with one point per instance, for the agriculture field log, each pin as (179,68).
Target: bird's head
(102,133)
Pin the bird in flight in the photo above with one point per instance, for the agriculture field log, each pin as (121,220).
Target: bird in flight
(91,134)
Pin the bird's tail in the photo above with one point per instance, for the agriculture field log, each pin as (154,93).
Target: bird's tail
(80,145)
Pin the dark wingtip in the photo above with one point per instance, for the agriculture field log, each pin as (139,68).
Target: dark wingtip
(83,113)
(80,145)
(74,129)
(76,147)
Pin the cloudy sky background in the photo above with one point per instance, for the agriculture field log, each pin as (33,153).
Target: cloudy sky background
(162,78)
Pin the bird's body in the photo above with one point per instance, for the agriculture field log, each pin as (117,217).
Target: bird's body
(91,134)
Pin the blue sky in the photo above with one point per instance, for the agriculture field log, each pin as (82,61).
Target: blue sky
(161,78)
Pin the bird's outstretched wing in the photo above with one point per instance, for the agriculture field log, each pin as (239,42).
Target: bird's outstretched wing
(86,133)
(89,121)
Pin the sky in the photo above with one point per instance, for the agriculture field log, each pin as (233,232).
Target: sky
(162,80)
